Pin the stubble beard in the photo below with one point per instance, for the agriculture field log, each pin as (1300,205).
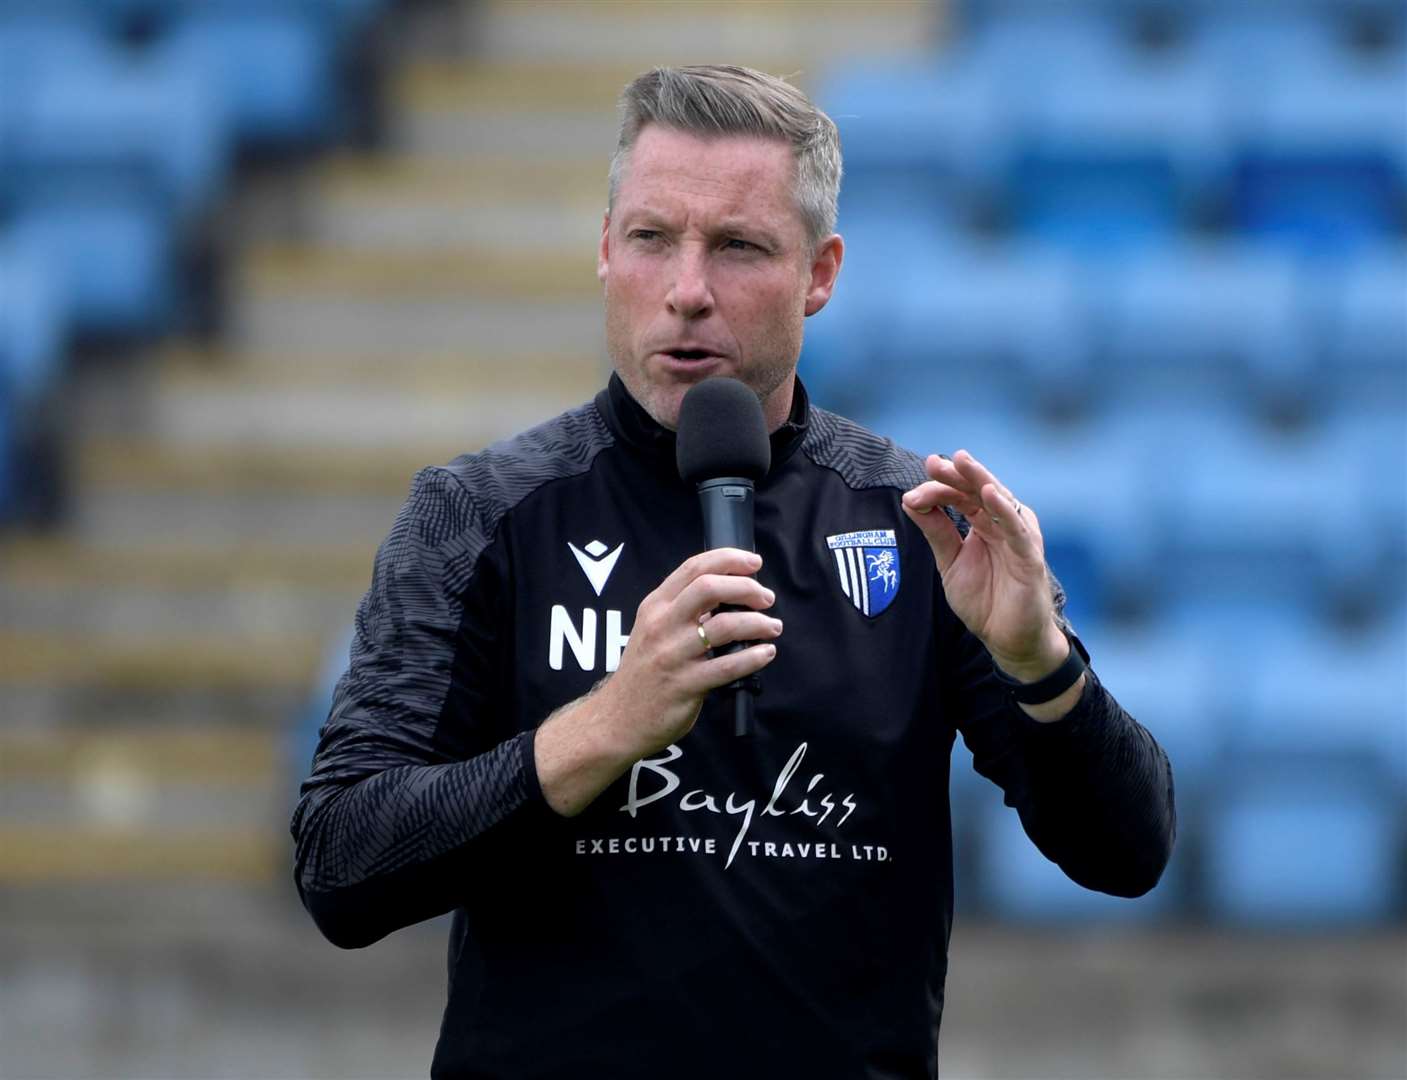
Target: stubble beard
(661,402)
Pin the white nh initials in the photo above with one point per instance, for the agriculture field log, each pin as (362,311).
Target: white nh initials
(564,634)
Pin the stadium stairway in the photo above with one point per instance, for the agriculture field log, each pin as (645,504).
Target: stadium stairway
(388,312)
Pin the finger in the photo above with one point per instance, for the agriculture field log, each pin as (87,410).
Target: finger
(1010,526)
(975,473)
(927,496)
(940,532)
(944,471)
(708,591)
(717,561)
(729,626)
(721,670)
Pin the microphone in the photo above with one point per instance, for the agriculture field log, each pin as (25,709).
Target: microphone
(722,447)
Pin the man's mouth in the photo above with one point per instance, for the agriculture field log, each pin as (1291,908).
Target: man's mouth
(690,354)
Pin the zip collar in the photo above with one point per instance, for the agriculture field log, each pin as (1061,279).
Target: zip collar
(633,426)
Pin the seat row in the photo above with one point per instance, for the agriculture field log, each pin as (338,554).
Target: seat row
(1044,123)
(1186,508)
(116,147)
(1289,751)
(915,311)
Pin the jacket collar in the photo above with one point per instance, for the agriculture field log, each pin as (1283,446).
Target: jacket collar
(636,428)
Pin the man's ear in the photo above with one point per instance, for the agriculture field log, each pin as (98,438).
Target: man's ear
(825,268)
(603,253)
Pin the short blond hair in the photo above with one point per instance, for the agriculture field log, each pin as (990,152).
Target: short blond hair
(721,99)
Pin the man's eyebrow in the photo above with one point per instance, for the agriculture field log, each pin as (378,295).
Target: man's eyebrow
(648,215)
(744,227)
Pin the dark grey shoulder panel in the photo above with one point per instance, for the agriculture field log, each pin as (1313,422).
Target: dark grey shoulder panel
(862,458)
(486,485)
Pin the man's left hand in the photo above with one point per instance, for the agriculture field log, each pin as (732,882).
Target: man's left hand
(995,579)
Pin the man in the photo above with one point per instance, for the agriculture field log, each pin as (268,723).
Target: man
(636,891)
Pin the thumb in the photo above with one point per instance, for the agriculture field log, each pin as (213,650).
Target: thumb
(940,532)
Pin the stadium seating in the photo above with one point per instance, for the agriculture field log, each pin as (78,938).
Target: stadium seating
(1304,844)
(1006,314)
(1200,318)
(272,67)
(1363,333)
(1118,154)
(33,323)
(1330,694)
(1322,160)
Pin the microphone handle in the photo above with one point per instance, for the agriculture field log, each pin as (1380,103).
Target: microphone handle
(728,522)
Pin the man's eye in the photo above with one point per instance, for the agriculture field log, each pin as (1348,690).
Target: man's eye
(735,244)
(644,234)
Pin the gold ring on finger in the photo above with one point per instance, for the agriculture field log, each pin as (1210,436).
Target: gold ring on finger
(703,636)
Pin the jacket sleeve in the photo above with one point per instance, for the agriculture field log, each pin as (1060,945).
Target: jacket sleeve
(416,765)
(1094,790)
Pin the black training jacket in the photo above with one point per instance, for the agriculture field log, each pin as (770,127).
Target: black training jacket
(772,907)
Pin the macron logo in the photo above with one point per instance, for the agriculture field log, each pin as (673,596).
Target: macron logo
(596,563)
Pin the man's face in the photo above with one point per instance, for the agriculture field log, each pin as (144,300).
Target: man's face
(707,269)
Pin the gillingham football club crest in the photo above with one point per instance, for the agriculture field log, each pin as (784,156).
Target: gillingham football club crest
(868,565)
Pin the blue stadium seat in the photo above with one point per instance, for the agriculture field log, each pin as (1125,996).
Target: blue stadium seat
(941,125)
(272,66)
(1117,155)
(1241,513)
(1322,163)
(1034,45)
(1206,320)
(110,159)
(33,324)
(980,318)
(1325,693)
(8,507)
(1250,41)
(113,254)
(845,345)
(1373,443)
(1170,679)
(1365,330)
(338,17)
(150,120)
(1303,845)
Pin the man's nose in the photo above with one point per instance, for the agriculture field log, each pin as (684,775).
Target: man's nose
(689,295)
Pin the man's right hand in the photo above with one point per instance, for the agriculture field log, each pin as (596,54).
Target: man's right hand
(655,695)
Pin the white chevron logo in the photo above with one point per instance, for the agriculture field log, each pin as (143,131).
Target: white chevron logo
(595,563)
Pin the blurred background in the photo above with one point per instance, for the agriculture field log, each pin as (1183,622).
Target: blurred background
(262,259)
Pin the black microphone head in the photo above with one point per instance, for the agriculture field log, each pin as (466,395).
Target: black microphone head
(722,433)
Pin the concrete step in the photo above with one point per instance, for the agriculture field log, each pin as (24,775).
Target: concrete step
(137,610)
(353,418)
(203,467)
(47,706)
(113,803)
(225,522)
(385,326)
(798,35)
(420,218)
(74,854)
(101,800)
(148,664)
(361,408)
(562,274)
(498,207)
(68,564)
(481,180)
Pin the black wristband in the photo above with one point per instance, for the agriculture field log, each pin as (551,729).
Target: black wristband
(1049,688)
